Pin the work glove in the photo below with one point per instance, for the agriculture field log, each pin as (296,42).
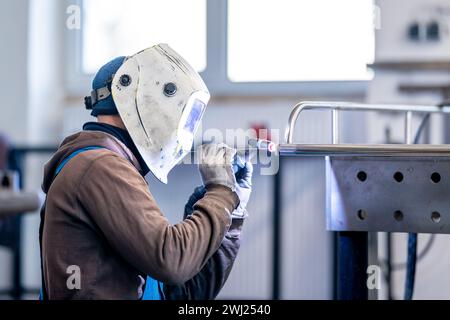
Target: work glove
(216,165)
(243,190)
(199,193)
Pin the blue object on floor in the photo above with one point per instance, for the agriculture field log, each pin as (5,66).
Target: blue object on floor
(151,291)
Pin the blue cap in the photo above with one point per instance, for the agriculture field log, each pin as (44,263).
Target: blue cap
(103,79)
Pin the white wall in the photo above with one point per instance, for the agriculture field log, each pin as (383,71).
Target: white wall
(45,71)
(396,15)
(13,68)
(13,107)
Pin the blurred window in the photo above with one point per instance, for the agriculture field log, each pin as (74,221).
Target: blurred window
(300,40)
(113,28)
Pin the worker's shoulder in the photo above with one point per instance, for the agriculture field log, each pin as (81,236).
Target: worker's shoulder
(103,159)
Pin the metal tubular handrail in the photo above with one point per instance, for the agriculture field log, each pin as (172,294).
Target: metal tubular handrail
(375,150)
(350,106)
(336,148)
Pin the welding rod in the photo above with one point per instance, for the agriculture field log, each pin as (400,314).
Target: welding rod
(259,144)
(262,144)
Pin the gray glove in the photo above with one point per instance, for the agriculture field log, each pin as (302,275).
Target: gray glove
(215,165)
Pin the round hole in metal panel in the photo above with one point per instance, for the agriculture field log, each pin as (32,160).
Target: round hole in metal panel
(435,177)
(435,217)
(362,214)
(362,176)
(398,176)
(398,215)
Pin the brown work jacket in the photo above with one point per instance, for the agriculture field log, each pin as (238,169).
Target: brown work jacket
(103,226)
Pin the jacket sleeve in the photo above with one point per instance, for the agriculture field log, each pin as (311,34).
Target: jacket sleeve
(209,281)
(118,200)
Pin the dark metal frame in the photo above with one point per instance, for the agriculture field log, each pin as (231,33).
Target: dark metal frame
(277,225)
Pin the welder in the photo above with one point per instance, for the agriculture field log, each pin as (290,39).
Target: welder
(102,235)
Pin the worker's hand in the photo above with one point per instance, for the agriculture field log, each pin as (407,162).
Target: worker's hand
(199,193)
(216,165)
(243,189)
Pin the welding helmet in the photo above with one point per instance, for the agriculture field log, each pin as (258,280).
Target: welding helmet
(161,100)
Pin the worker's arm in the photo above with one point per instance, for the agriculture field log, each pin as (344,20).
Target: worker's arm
(210,280)
(119,202)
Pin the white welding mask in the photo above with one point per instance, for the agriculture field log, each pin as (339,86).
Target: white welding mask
(161,100)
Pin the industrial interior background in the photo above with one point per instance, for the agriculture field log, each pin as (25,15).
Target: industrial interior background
(45,80)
